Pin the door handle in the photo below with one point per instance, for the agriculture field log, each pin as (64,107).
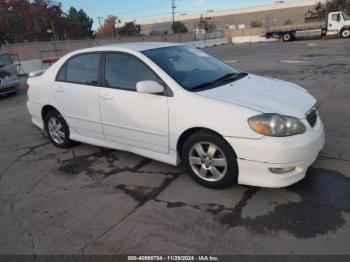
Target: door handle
(106,96)
(59,89)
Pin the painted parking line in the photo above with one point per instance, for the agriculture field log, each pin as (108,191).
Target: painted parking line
(292,61)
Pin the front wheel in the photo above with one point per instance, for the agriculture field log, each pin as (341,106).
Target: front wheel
(345,33)
(210,160)
(57,130)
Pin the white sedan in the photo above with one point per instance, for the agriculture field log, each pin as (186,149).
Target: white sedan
(176,104)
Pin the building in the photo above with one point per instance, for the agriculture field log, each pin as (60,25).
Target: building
(259,16)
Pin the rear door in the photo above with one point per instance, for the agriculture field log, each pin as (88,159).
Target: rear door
(128,117)
(76,92)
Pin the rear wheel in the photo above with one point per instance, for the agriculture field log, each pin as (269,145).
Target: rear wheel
(57,130)
(345,33)
(209,160)
(286,37)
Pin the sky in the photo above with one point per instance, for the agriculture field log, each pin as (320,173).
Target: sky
(145,9)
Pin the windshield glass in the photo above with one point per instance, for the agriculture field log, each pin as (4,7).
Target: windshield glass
(190,67)
(346,17)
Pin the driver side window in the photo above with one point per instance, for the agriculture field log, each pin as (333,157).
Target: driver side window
(335,17)
(124,71)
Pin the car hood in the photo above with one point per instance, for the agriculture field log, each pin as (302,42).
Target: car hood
(264,94)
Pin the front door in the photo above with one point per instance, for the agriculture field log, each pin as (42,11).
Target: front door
(335,22)
(128,117)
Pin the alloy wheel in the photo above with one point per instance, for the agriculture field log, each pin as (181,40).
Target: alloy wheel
(208,161)
(56,130)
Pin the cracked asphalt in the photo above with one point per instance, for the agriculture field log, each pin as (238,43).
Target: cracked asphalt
(90,200)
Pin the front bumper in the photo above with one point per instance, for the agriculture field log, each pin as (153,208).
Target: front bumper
(256,156)
(9,87)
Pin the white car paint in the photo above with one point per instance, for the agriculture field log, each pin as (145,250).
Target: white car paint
(269,96)
(151,125)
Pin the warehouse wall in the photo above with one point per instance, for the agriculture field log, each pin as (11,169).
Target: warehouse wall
(275,16)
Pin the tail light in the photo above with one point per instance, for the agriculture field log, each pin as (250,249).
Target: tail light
(26,86)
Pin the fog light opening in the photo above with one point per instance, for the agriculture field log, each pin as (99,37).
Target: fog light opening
(282,170)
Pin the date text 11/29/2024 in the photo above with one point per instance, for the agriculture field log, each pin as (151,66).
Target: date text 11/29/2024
(173,258)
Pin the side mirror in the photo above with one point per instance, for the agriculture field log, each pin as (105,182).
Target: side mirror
(2,64)
(338,18)
(149,87)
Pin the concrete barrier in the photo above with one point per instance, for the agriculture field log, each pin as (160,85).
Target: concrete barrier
(208,42)
(251,39)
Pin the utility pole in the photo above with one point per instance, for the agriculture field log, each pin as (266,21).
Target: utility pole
(99,20)
(267,24)
(173,7)
(54,32)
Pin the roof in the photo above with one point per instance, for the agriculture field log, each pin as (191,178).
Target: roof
(137,46)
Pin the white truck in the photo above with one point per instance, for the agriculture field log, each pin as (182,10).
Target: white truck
(336,23)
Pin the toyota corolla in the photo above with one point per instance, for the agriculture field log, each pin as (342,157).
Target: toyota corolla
(176,104)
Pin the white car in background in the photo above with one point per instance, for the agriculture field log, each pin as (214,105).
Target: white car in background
(174,103)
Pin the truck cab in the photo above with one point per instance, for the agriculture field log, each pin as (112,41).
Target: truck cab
(338,23)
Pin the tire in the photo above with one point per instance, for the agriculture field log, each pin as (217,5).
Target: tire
(287,37)
(345,33)
(213,170)
(57,130)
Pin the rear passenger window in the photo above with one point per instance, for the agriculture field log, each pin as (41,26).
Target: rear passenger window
(124,71)
(62,74)
(82,69)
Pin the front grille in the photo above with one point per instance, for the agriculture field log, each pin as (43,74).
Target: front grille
(311,116)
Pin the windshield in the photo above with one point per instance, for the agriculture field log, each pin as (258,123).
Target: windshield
(192,68)
(346,17)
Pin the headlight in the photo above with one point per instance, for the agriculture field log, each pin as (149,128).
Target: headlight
(276,125)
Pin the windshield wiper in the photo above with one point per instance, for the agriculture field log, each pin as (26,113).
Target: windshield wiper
(223,79)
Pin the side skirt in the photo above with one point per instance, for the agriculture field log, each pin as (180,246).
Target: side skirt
(171,158)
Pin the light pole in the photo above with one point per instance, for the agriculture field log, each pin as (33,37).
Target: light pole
(173,7)
(99,21)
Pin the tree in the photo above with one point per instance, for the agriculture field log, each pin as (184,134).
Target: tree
(108,28)
(78,24)
(206,24)
(41,20)
(179,27)
(48,20)
(322,9)
(130,29)
(23,20)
